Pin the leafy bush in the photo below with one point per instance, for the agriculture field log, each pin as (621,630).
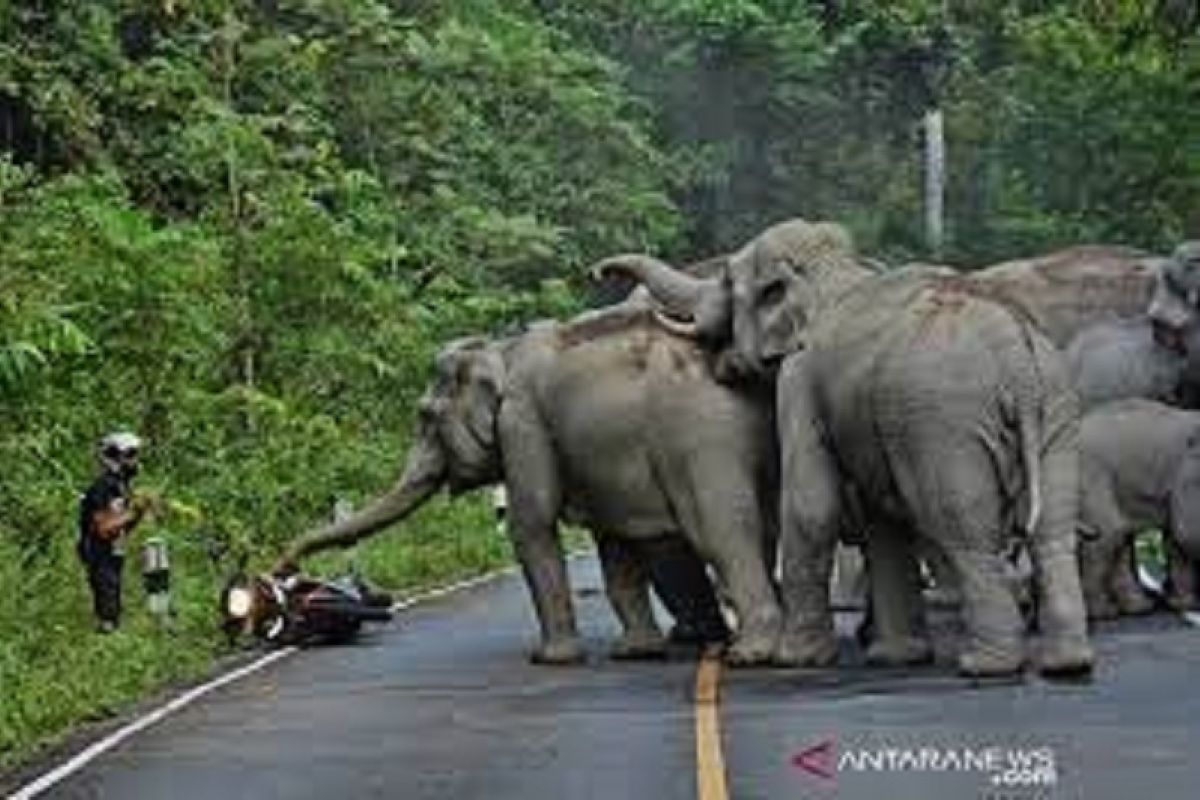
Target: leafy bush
(242,230)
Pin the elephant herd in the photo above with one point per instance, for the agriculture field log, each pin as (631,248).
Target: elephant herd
(744,416)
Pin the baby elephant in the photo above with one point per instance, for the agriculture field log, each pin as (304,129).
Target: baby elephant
(1139,469)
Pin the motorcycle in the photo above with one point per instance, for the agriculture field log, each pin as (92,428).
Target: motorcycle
(298,609)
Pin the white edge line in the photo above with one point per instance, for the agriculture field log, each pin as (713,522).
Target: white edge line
(112,740)
(96,749)
(442,591)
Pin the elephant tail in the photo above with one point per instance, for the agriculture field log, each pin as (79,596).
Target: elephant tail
(1030,384)
(1031,454)
(1029,381)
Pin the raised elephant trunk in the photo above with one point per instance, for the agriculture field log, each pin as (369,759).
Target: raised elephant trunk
(423,476)
(677,293)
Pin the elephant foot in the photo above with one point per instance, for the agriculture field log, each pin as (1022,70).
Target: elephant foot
(903,652)
(815,649)
(560,653)
(992,661)
(1134,603)
(1067,657)
(751,651)
(639,647)
(1180,602)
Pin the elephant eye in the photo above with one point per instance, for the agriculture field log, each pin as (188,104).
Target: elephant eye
(773,292)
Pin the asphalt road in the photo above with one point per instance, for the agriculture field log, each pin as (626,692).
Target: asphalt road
(442,704)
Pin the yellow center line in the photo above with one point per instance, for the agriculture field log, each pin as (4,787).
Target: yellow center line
(710,761)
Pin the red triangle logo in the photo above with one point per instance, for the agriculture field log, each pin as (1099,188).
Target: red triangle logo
(819,759)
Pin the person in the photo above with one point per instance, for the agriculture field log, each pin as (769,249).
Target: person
(108,512)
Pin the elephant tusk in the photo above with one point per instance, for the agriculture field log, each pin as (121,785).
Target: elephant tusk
(686,329)
(613,265)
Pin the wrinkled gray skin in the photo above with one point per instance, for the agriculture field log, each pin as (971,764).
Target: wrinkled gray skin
(1175,313)
(614,423)
(1117,360)
(938,409)
(1121,359)
(1140,468)
(1065,292)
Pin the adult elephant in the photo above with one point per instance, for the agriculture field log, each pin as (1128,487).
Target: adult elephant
(609,421)
(1122,359)
(1175,309)
(1087,296)
(1067,291)
(1076,296)
(934,405)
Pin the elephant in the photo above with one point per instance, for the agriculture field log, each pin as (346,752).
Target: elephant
(612,422)
(1066,291)
(1175,311)
(1140,468)
(935,402)
(1122,359)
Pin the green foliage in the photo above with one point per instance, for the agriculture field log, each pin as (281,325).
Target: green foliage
(243,228)
(1065,121)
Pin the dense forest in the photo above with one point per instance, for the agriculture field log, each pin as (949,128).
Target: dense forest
(243,228)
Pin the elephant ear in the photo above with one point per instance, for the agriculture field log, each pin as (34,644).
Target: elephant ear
(481,386)
(781,311)
(1185,493)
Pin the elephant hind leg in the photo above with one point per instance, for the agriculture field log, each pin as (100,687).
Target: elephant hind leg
(680,580)
(993,620)
(1123,582)
(1181,577)
(715,499)
(626,582)
(1062,615)
(956,499)
(900,632)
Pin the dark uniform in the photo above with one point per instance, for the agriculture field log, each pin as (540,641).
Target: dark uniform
(103,557)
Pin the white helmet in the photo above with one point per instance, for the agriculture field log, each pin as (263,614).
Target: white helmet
(119,450)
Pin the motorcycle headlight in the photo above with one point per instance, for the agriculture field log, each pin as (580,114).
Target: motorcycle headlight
(239,602)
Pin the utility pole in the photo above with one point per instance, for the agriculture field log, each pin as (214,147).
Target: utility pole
(935,71)
(935,180)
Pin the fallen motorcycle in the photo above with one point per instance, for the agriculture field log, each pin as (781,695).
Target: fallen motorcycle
(298,609)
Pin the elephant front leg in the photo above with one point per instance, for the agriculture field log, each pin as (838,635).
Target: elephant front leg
(545,573)
(900,636)
(627,584)
(810,517)
(534,497)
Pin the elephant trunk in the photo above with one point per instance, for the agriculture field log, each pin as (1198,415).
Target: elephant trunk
(677,293)
(423,476)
